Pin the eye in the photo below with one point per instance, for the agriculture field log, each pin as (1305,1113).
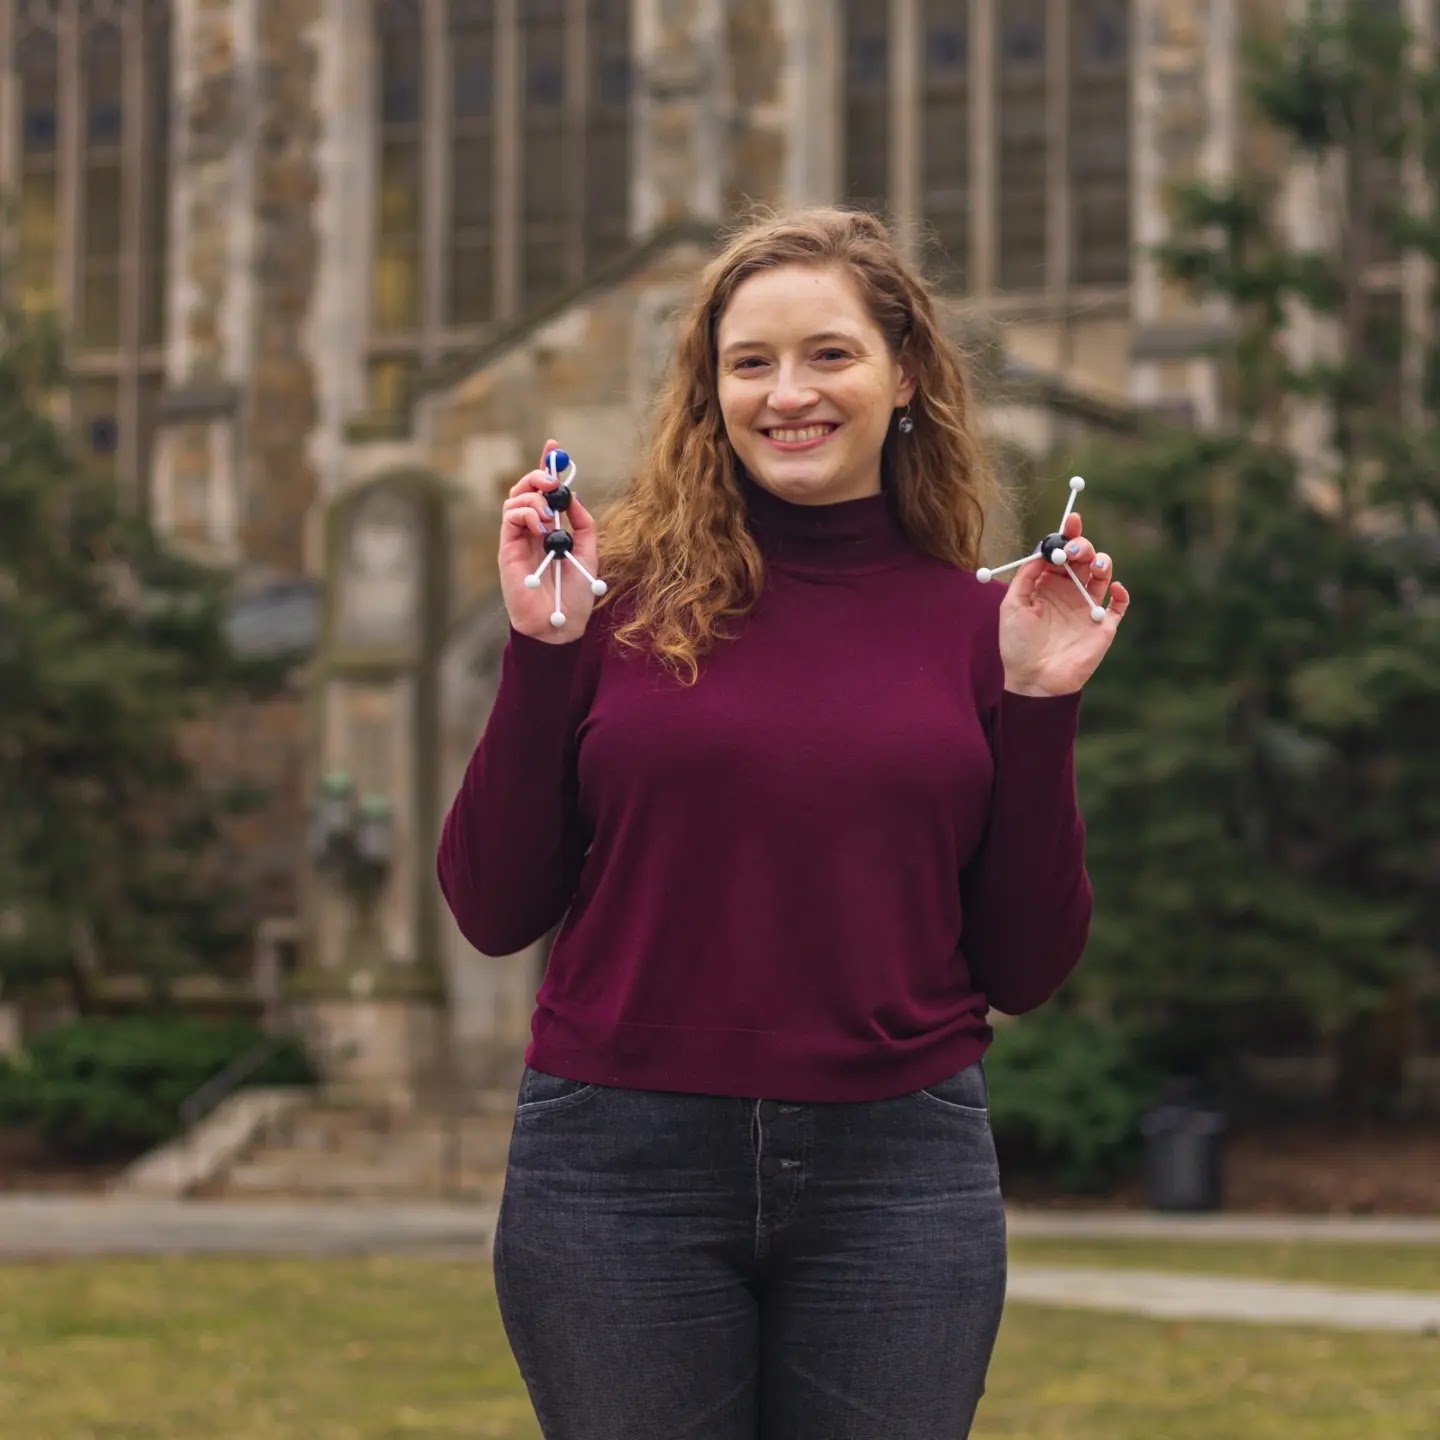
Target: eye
(748,362)
(831,354)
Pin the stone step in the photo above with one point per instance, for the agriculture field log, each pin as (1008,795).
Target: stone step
(329,1150)
(283,1174)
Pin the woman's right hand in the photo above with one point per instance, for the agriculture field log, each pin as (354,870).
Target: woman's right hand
(523,527)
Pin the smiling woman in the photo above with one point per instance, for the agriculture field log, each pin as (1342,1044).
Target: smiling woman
(807,411)
(799,792)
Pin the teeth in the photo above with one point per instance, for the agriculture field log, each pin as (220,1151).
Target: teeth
(795,437)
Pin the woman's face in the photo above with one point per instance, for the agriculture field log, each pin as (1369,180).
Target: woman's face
(807,385)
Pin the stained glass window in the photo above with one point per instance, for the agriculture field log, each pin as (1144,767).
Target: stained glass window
(867,103)
(1022,119)
(1100,140)
(947,133)
(397,278)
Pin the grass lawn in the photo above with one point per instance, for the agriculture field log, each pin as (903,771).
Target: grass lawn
(385,1349)
(1376,1266)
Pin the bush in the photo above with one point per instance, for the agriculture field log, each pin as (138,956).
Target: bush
(102,1087)
(1067,1094)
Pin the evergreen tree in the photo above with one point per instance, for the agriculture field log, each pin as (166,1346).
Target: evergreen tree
(109,645)
(1261,769)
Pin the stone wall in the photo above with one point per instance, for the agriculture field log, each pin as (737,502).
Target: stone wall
(1187,125)
(280,482)
(759,131)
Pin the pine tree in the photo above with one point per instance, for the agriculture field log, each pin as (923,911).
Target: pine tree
(1262,767)
(109,645)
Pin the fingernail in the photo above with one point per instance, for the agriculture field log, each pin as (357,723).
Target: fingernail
(549,511)
(1073,548)
(1099,563)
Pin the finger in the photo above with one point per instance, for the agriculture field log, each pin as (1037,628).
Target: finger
(1119,603)
(535,500)
(1080,552)
(521,521)
(1100,575)
(581,520)
(532,481)
(549,446)
(1073,525)
(531,510)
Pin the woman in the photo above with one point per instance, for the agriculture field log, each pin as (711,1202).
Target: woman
(802,791)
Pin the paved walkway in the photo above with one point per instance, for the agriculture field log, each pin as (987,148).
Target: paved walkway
(47,1226)
(1206,1297)
(1147,1225)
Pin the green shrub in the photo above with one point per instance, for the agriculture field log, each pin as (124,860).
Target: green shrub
(114,1086)
(1067,1094)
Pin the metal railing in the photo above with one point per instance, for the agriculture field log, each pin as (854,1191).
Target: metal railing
(224,1082)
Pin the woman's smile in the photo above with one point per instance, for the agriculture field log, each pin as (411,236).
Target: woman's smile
(800,437)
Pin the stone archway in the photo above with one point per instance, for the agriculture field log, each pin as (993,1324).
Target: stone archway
(370,996)
(492,997)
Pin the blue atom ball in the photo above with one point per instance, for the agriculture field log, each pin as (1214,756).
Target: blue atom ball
(559,461)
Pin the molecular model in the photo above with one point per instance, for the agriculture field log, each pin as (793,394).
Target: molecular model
(559,543)
(1052,547)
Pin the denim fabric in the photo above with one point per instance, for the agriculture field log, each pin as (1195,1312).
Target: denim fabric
(697,1267)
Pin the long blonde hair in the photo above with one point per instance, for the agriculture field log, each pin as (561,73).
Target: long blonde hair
(676,545)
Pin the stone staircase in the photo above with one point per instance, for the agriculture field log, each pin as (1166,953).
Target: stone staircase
(328,1149)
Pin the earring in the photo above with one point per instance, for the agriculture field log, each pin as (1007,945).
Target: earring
(906,423)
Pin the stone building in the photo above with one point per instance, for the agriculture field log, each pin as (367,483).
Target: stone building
(331,271)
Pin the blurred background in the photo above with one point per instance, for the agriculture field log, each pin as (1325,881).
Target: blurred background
(295,289)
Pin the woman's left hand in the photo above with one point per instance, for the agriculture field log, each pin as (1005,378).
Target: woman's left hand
(1049,645)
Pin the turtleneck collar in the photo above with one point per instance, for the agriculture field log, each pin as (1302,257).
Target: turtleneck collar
(846,535)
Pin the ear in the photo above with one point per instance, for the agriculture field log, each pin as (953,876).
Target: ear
(905,390)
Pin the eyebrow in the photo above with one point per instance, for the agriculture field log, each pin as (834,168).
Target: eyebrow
(809,340)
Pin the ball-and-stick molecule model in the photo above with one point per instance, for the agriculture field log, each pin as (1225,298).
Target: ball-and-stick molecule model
(559,543)
(1052,547)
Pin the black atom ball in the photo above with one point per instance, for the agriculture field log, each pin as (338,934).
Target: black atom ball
(558,542)
(1052,543)
(560,498)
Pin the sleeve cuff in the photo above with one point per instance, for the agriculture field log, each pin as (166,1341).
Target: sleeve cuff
(1041,718)
(541,673)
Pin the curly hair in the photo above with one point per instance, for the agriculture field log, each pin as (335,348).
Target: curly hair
(676,543)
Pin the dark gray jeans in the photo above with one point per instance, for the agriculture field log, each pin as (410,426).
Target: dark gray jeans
(695,1267)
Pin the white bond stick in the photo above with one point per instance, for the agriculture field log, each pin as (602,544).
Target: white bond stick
(1096,613)
(1076,486)
(988,574)
(597,587)
(532,582)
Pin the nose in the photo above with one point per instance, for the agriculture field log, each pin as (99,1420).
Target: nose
(788,396)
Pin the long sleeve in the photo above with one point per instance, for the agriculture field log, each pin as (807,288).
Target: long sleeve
(1026,895)
(512,843)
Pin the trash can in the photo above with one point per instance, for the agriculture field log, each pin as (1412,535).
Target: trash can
(1184,1144)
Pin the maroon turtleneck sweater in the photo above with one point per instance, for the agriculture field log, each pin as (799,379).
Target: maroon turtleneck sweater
(807,876)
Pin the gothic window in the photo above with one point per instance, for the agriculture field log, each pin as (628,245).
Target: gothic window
(1022,120)
(37,75)
(155,247)
(89,87)
(102,122)
(946,141)
(867,103)
(472,169)
(607,128)
(502,166)
(397,178)
(1100,140)
(547,183)
(988,187)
